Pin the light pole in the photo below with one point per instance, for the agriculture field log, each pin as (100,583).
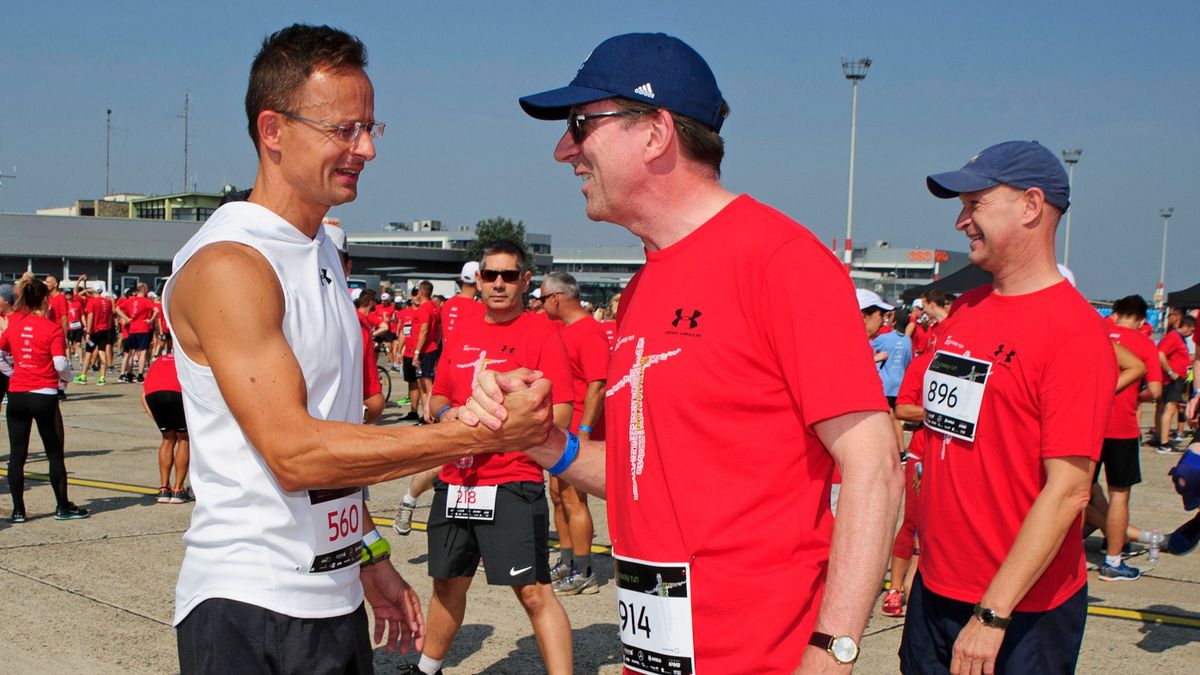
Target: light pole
(1071,158)
(855,71)
(1160,294)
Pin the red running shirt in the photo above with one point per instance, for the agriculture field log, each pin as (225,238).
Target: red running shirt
(371,383)
(1173,345)
(58,308)
(1048,394)
(406,319)
(456,309)
(101,311)
(587,350)
(1123,419)
(478,345)
(610,332)
(676,437)
(33,341)
(140,310)
(162,375)
(74,314)
(427,313)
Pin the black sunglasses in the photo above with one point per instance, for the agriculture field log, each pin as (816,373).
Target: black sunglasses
(509,276)
(575,122)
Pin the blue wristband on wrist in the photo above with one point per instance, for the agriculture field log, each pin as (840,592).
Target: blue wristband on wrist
(568,457)
(438,416)
(585,428)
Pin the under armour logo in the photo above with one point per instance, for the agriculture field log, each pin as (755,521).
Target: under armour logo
(1000,352)
(505,349)
(692,320)
(325,278)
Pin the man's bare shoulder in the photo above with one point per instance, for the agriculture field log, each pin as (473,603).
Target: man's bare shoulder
(224,262)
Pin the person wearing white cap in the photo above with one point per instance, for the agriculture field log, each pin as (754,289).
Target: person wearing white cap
(462,305)
(893,350)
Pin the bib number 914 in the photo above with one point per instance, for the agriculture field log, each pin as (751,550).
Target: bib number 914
(633,618)
(342,523)
(942,393)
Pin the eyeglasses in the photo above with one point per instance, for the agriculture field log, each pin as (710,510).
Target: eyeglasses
(509,276)
(547,296)
(575,122)
(346,133)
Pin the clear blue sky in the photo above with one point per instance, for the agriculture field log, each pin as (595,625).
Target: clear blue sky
(1118,80)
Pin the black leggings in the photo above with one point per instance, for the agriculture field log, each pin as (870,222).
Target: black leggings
(25,408)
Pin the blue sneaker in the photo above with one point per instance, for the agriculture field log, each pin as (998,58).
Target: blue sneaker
(1121,573)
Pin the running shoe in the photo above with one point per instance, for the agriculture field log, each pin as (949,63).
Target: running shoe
(17,517)
(893,603)
(404,401)
(559,571)
(80,379)
(1122,572)
(71,512)
(141,378)
(403,522)
(412,669)
(164,495)
(181,496)
(1164,449)
(577,584)
(101,382)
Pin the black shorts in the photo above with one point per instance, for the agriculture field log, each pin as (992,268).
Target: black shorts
(1174,391)
(99,340)
(136,342)
(1035,642)
(515,545)
(1121,461)
(387,336)
(410,372)
(429,363)
(226,636)
(891,402)
(75,335)
(167,409)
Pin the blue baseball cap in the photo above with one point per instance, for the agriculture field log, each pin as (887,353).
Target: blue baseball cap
(1020,164)
(1186,475)
(651,68)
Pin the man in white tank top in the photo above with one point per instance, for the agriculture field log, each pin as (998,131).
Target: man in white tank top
(281,545)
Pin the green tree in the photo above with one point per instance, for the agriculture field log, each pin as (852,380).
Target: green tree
(493,229)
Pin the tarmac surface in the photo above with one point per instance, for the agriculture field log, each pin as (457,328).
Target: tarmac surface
(97,595)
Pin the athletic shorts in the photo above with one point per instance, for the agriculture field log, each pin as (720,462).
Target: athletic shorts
(75,335)
(136,342)
(99,340)
(167,409)
(1121,461)
(891,402)
(226,636)
(515,545)
(1173,391)
(429,363)
(410,371)
(387,336)
(1035,642)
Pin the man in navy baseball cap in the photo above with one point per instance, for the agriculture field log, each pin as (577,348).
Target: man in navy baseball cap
(1019,164)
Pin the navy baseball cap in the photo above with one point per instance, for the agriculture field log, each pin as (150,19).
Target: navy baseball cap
(651,68)
(1020,164)
(1186,475)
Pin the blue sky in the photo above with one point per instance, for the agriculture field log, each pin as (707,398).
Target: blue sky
(1118,80)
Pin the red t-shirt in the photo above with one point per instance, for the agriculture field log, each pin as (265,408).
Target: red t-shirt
(610,332)
(385,314)
(162,375)
(676,437)
(122,304)
(140,310)
(588,351)
(477,344)
(58,307)
(1123,419)
(162,318)
(406,320)
(457,308)
(427,313)
(74,314)
(101,311)
(1173,345)
(1047,394)
(920,338)
(1146,330)
(33,341)
(371,383)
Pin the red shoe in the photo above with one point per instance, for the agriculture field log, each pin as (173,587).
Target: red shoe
(893,603)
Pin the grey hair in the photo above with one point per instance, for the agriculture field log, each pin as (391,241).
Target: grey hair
(561,282)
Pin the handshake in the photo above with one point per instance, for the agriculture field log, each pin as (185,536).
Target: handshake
(516,406)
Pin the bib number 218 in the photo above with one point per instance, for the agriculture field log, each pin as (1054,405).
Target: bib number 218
(633,618)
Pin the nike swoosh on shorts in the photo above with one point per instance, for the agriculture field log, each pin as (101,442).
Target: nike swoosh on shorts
(512,571)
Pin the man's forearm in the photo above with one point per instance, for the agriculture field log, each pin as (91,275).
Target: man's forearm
(421,335)
(587,472)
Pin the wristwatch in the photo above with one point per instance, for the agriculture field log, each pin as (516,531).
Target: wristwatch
(987,617)
(842,648)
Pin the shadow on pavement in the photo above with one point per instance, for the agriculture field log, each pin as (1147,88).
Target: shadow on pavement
(469,640)
(106,504)
(1158,638)
(595,646)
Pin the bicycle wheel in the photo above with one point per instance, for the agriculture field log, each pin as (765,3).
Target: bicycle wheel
(385,384)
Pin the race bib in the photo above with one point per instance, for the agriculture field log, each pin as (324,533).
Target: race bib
(954,387)
(74,325)
(337,528)
(654,611)
(471,503)
(407,329)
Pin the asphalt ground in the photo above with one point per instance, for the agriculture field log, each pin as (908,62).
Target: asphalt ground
(97,595)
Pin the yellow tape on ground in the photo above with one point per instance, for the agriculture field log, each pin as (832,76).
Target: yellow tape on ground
(1144,617)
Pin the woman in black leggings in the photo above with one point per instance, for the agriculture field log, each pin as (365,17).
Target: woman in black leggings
(33,354)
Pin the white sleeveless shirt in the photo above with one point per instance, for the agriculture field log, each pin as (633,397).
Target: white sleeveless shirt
(295,553)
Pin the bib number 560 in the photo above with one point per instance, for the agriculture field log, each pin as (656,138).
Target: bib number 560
(633,617)
(342,523)
(942,393)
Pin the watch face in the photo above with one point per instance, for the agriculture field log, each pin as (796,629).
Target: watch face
(988,616)
(844,649)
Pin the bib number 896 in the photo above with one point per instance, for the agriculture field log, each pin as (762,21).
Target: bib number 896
(942,393)
(342,524)
(633,617)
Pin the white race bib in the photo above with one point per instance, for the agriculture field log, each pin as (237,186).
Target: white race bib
(338,528)
(407,329)
(953,394)
(75,325)
(654,611)
(470,503)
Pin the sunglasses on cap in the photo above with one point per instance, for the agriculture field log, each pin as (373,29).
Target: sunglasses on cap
(509,276)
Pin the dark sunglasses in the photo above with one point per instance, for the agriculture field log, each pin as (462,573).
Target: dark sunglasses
(509,276)
(575,122)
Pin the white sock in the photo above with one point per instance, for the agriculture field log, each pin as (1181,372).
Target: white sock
(428,666)
(1112,560)
(409,500)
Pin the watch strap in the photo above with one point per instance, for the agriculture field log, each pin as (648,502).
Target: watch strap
(825,641)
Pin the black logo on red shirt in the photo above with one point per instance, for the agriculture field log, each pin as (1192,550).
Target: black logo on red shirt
(505,349)
(692,320)
(1008,356)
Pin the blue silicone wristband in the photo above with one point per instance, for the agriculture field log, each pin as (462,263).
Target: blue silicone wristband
(438,416)
(568,457)
(585,428)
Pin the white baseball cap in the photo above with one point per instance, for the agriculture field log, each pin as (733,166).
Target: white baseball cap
(338,236)
(385,296)
(469,270)
(537,293)
(871,299)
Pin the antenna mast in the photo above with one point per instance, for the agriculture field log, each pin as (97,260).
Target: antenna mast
(187,101)
(107,150)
